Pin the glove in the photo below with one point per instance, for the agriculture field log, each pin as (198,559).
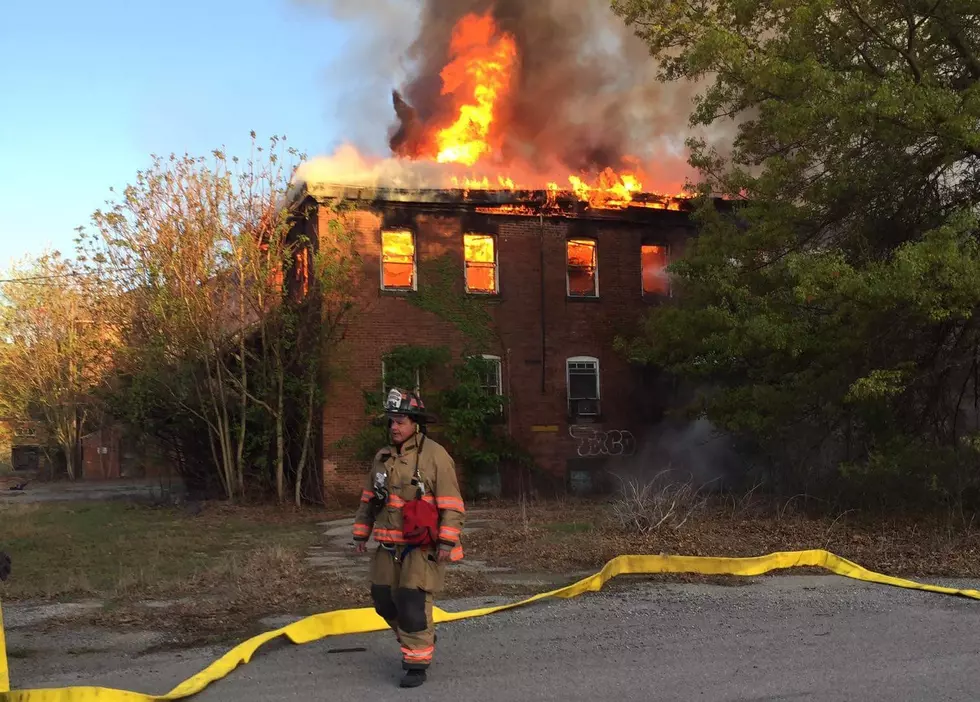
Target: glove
(4,566)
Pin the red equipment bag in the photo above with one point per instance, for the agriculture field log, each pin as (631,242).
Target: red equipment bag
(420,522)
(420,519)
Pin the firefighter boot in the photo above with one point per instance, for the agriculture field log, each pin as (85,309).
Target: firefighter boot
(413,678)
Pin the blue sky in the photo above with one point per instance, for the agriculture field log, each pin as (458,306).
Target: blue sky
(88,90)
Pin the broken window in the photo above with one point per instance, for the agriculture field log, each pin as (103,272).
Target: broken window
(480,252)
(583,386)
(397,260)
(655,279)
(583,273)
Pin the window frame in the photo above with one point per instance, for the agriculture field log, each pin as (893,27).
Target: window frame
(670,288)
(384,385)
(568,267)
(415,261)
(568,384)
(495,264)
(499,364)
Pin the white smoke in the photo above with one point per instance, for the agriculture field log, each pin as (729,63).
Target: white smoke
(348,166)
(377,35)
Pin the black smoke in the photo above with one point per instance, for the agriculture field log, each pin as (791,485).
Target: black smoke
(586,97)
(586,93)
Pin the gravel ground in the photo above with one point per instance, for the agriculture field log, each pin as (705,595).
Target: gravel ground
(783,638)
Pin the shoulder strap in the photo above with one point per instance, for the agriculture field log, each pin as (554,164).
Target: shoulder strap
(417,478)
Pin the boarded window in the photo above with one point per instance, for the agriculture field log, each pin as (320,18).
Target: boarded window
(583,273)
(655,279)
(398,260)
(480,251)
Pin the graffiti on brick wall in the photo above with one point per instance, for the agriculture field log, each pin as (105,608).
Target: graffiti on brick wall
(594,443)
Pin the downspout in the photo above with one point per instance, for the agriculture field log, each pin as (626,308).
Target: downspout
(544,336)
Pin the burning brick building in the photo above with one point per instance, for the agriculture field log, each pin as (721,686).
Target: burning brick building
(513,161)
(561,280)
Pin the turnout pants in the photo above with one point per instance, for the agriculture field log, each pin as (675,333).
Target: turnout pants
(403,586)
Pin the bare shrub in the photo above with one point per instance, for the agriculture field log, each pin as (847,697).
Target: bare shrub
(657,504)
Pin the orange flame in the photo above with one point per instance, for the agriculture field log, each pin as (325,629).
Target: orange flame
(482,67)
(479,76)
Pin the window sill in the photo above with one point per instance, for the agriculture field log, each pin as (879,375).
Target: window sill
(488,297)
(394,292)
(577,420)
(582,298)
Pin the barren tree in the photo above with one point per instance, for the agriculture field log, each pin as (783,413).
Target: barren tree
(196,246)
(228,298)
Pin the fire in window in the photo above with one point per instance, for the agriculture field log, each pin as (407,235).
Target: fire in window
(398,260)
(583,273)
(480,252)
(655,279)
(583,386)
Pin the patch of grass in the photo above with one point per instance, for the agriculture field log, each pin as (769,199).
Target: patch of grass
(120,550)
(217,572)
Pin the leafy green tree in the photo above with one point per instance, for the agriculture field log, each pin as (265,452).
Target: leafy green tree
(196,253)
(54,345)
(830,314)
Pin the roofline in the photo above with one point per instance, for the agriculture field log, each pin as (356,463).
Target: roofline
(524,202)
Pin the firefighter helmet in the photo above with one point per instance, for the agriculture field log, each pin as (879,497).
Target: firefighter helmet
(406,404)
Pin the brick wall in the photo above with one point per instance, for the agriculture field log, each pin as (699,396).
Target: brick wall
(537,332)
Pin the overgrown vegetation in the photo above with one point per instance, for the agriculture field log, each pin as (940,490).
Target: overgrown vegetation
(53,352)
(200,312)
(579,535)
(463,393)
(830,320)
(659,503)
(469,415)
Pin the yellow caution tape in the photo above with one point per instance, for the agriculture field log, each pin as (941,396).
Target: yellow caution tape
(359,621)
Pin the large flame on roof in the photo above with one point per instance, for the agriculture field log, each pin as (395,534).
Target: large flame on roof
(481,71)
(464,146)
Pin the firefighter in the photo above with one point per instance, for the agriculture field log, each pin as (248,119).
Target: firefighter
(412,505)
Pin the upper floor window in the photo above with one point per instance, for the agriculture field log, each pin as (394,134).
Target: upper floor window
(480,253)
(582,377)
(654,259)
(398,260)
(583,268)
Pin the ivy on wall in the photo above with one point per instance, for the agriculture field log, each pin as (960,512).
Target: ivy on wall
(441,293)
(469,417)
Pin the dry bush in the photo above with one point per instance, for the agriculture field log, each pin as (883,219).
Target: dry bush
(657,504)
